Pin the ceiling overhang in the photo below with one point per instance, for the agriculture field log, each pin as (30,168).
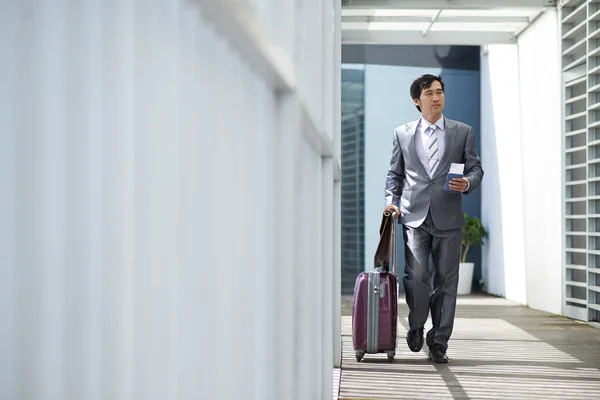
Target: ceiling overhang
(449,4)
(432,22)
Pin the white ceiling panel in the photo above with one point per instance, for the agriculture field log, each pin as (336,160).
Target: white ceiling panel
(383,26)
(475,26)
(388,12)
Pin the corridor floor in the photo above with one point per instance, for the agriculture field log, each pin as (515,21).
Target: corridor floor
(499,350)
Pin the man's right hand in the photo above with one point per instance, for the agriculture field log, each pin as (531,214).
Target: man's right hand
(392,208)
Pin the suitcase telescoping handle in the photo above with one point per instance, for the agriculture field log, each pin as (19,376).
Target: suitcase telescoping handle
(394,264)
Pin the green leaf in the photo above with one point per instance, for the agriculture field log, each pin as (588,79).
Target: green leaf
(473,234)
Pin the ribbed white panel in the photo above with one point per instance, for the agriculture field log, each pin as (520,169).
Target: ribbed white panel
(309,55)
(166,232)
(10,95)
(327,256)
(328,52)
(337,211)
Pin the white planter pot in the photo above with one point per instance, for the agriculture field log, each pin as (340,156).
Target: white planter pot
(465,278)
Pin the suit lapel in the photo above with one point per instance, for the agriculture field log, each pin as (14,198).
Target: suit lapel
(412,145)
(450,127)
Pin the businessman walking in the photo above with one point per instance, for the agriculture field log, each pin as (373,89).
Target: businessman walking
(432,217)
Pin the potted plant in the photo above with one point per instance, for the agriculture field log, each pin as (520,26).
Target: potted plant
(473,234)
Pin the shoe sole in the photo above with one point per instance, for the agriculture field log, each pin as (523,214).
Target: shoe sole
(437,360)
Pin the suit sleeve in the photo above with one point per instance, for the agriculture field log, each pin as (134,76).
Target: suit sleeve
(474,172)
(395,175)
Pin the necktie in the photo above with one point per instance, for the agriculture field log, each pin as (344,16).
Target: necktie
(432,148)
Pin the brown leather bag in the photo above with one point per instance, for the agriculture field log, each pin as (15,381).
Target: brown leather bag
(384,248)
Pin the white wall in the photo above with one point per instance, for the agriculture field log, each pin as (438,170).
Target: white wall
(540,98)
(521,156)
(503,257)
(166,229)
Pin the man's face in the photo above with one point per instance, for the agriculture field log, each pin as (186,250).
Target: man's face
(432,99)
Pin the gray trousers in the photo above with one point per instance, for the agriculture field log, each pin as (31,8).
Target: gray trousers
(440,294)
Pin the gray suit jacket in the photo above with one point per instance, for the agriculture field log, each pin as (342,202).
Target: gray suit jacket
(409,187)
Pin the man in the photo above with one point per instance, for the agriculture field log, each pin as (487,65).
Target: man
(432,217)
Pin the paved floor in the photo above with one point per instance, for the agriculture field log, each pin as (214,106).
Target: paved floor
(499,350)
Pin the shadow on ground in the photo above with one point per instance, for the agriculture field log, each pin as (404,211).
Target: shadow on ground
(499,350)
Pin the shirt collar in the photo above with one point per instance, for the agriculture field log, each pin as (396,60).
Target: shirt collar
(439,123)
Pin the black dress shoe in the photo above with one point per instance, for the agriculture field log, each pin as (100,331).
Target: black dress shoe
(437,354)
(415,340)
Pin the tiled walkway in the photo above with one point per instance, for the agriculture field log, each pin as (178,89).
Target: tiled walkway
(499,350)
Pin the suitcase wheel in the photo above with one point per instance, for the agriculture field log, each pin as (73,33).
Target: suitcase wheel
(391,355)
(359,355)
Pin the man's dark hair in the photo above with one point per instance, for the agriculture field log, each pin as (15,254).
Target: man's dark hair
(423,82)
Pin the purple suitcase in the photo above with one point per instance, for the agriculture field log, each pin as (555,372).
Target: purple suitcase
(375,310)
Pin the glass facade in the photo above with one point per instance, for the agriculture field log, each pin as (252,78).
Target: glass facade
(353,175)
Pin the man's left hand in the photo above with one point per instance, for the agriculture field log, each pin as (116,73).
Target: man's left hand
(459,184)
